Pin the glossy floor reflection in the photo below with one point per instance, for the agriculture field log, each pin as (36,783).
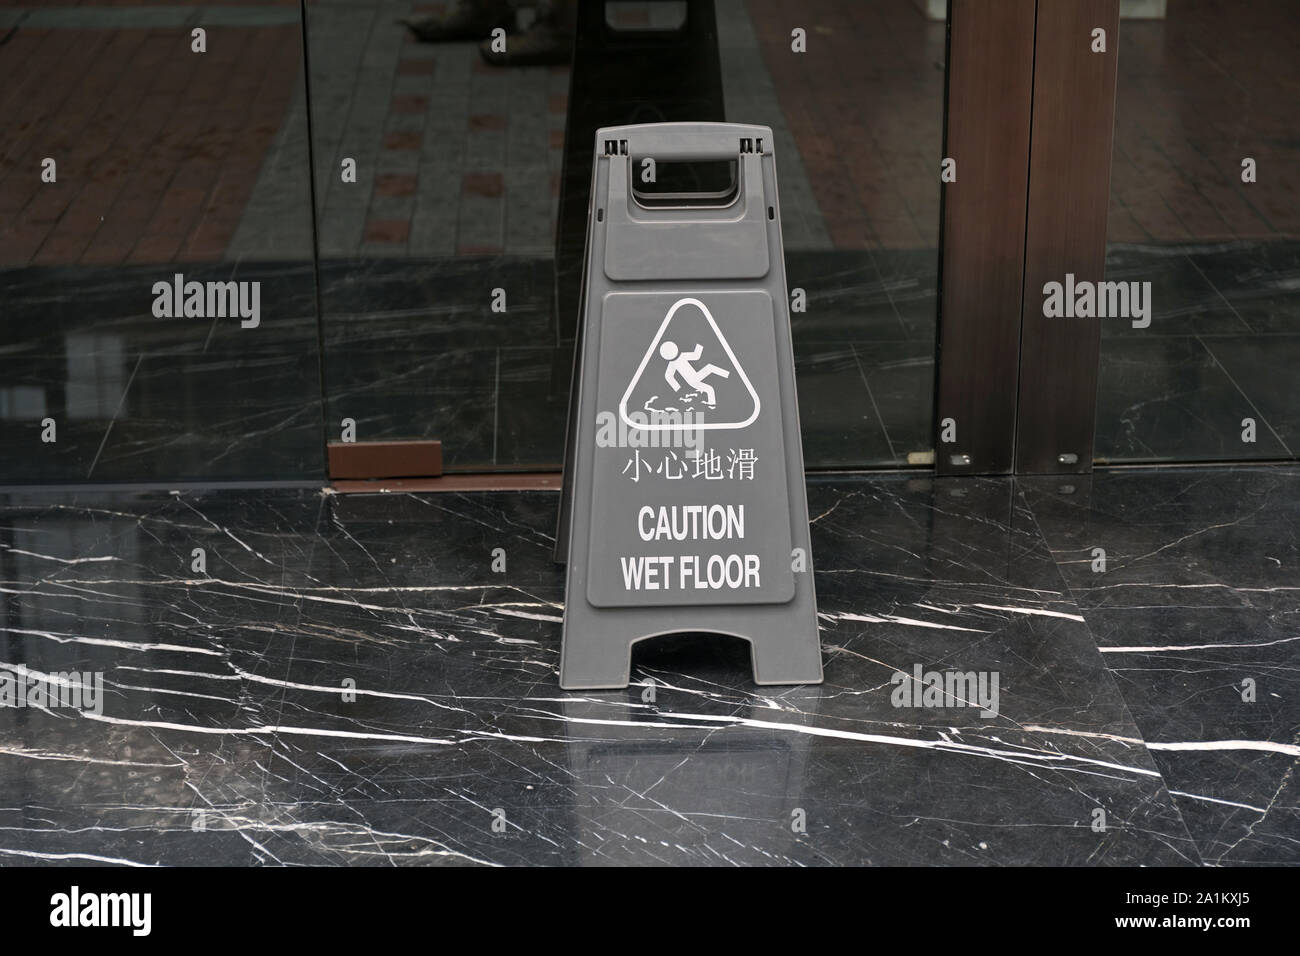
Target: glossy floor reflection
(1222,347)
(347,681)
(1196,616)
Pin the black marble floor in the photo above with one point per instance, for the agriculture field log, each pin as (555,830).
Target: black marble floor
(1197,615)
(349,682)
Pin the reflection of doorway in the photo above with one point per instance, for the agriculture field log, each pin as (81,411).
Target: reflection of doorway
(411,263)
(435,250)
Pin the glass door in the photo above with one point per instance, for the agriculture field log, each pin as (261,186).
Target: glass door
(1204,237)
(451,168)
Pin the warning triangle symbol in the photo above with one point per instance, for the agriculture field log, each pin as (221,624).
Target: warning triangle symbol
(689,368)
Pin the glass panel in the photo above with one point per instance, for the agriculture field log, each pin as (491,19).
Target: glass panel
(858,121)
(450,262)
(155,245)
(1205,215)
(437,179)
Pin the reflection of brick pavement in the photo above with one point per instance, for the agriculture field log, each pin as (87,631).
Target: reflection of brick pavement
(750,97)
(165,155)
(459,158)
(189,157)
(454,157)
(157,147)
(1197,92)
(203,156)
(865,108)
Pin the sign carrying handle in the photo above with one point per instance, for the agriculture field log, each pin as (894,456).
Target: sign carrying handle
(686,142)
(685,242)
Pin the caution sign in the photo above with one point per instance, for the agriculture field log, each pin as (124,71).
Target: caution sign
(683,507)
(683,379)
(679,507)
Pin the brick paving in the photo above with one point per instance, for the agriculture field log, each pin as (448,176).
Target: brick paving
(165,155)
(750,96)
(864,107)
(192,157)
(157,147)
(464,153)
(1198,92)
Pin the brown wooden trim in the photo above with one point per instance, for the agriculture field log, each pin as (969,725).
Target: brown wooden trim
(990,77)
(497,481)
(1065,232)
(385,459)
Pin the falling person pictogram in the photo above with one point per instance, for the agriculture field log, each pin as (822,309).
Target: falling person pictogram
(679,364)
(694,385)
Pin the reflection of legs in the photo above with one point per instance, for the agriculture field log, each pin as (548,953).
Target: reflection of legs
(548,42)
(563,14)
(468,20)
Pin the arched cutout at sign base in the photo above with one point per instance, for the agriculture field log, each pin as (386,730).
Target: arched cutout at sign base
(608,661)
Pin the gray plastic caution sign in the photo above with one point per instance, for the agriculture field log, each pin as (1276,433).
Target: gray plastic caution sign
(683,507)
